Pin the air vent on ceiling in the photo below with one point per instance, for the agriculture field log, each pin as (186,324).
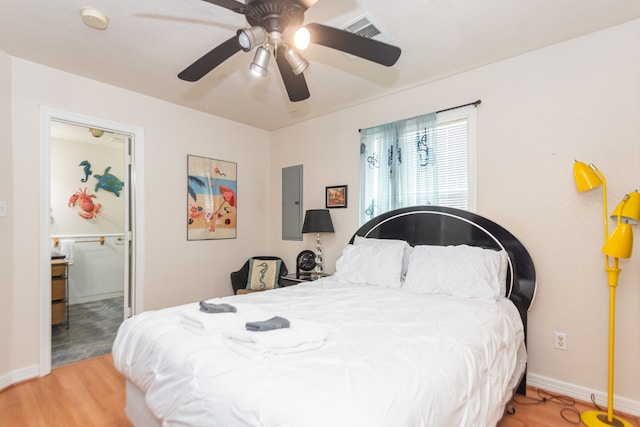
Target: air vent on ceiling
(364,28)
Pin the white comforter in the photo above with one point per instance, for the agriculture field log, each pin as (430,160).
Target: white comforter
(391,358)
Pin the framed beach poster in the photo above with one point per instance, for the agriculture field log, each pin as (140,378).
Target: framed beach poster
(212,198)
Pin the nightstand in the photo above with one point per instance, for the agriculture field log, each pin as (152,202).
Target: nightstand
(294,279)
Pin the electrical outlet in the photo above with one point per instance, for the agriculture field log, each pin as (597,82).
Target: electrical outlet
(560,342)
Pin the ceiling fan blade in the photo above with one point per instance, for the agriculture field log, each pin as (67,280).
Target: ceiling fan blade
(372,50)
(233,5)
(296,85)
(210,60)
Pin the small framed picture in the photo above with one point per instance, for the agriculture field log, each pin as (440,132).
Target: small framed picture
(336,196)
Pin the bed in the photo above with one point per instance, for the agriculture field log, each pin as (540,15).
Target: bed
(379,343)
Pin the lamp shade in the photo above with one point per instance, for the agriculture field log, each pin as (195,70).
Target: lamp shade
(317,221)
(628,209)
(260,62)
(297,62)
(620,243)
(251,37)
(585,176)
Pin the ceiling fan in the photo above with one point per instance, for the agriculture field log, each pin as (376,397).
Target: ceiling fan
(269,21)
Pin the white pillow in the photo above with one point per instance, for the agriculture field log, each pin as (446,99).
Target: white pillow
(462,271)
(387,243)
(371,265)
(502,275)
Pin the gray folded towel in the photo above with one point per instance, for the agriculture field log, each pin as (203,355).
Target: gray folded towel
(276,322)
(208,307)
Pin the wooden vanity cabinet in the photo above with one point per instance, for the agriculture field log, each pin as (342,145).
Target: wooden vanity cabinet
(59,292)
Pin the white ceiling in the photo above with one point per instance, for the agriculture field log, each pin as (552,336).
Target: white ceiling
(148,42)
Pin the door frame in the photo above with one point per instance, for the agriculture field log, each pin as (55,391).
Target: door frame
(135,234)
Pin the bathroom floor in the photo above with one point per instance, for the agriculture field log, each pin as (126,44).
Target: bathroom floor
(92,329)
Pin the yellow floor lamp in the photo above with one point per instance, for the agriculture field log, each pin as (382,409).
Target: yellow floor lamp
(617,245)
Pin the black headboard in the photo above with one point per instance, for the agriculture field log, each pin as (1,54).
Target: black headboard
(438,225)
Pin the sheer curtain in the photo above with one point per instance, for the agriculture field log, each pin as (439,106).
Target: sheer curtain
(397,165)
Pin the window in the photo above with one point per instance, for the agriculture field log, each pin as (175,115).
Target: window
(425,160)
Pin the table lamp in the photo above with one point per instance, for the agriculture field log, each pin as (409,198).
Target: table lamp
(318,221)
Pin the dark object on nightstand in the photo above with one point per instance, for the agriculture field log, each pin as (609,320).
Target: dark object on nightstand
(305,262)
(239,278)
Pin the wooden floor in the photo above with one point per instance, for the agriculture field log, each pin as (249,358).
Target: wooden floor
(542,409)
(91,393)
(88,393)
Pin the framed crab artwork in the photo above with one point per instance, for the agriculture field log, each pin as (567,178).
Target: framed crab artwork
(212,199)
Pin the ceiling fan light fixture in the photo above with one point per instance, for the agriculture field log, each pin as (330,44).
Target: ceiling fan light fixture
(260,62)
(271,30)
(251,37)
(302,38)
(297,62)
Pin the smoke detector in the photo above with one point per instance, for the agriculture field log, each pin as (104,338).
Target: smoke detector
(94,18)
(96,133)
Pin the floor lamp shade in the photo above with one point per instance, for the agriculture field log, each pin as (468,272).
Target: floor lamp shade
(628,209)
(620,243)
(585,176)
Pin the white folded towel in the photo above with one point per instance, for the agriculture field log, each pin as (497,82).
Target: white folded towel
(301,335)
(217,323)
(66,249)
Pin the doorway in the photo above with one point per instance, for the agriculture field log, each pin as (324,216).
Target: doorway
(89,182)
(104,269)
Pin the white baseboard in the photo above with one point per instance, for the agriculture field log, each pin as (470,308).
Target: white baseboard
(95,297)
(628,406)
(5,380)
(19,375)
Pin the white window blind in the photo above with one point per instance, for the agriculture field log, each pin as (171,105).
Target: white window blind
(451,163)
(426,160)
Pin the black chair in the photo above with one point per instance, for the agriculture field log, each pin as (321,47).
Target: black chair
(239,278)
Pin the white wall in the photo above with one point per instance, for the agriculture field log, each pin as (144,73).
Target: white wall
(97,271)
(177,271)
(66,175)
(539,112)
(6,223)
